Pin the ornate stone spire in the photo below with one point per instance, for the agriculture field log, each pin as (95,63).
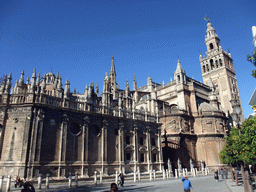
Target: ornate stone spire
(59,86)
(134,83)
(43,84)
(97,89)
(9,84)
(33,81)
(67,89)
(2,86)
(21,81)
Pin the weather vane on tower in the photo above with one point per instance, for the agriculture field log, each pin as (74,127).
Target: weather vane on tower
(207,19)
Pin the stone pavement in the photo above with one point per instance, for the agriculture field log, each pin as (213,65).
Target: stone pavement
(200,184)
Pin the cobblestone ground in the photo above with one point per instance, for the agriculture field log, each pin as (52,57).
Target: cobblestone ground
(200,184)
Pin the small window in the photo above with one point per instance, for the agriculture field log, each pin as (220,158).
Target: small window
(211,46)
(75,128)
(212,65)
(207,67)
(220,61)
(203,69)
(217,64)
(154,157)
(142,157)
(128,156)
(153,142)
(128,140)
(141,141)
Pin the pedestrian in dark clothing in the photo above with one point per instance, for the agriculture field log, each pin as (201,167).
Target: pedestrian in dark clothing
(28,187)
(121,177)
(113,187)
(226,173)
(216,175)
(186,184)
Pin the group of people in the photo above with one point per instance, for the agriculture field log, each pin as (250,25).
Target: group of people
(223,173)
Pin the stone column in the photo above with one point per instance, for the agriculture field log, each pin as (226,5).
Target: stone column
(121,145)
(85,137)
(148,147)
(104,146)
(63,142)
(160,153)
(135,142)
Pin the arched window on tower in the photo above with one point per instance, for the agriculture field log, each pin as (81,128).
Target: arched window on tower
(211,46)
(212,65)
(220,62)
(207,67)
(178,77)
(203,69)
(216,63)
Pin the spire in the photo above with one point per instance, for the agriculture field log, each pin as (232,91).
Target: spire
(59,87)
(9,84)
(43,84)
(112,69)
(33,80)
(21,81)
(2,86)
(134,83)
(67,89)
(97,89)
(179,68)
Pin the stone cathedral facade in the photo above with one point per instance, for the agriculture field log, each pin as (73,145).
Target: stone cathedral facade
(46,128)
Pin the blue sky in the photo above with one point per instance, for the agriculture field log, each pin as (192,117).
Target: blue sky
(78,39)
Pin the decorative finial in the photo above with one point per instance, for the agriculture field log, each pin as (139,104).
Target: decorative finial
(207,19)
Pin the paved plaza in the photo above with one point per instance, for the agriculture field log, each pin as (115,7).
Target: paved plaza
(200,184)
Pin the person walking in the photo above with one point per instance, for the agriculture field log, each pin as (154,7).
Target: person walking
(186,184)
(222,173)
(216,175)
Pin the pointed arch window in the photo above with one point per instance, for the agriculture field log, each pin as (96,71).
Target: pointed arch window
(220,61)
(211,46)
(212,65)
(207,67)
(216,63)
(203,69)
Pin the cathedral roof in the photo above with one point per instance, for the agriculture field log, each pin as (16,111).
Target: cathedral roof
(206,107)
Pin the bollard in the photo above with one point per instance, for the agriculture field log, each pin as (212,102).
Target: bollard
(176,174)
(194,172)
(95,178)
(76,179)
(134,176)
(100,178)
(154,174)
(1,183)
(40,181)
(138,175)
(186,171)
(163,174)
(167,176)
(206,171)
(150,175)
(8,185)
(183,172)
(116,177)
(47,181)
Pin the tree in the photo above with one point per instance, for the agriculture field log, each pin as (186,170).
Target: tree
(252,58)
(240,148)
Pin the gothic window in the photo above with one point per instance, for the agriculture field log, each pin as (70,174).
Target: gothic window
(211,46)
(95,130)
(203,69)
(212,65)
(141,141)
(154,157)
(153,142)
(128,140)
(142,159)
(207,67)
(220,61)
(217,64)
(128,156)
(75,128)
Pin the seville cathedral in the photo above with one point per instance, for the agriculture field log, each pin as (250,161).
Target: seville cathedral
(46,128)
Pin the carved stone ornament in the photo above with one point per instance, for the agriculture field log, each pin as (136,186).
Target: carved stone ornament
(86,120)
(40,114)
(105,123)
(173,126)
(65,117)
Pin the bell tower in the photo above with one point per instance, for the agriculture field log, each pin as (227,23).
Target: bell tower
(218,67)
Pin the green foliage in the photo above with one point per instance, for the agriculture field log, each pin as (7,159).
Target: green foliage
(252,58)
(240,147)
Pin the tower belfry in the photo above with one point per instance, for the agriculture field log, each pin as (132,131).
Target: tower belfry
(218,66)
